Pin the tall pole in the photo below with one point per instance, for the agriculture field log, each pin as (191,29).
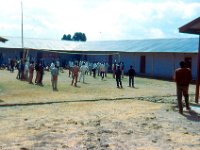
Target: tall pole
(22,26)
(25,52)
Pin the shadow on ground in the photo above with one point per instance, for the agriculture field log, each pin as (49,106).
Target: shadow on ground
(192,115)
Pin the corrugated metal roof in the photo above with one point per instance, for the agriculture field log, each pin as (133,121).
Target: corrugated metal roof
(184,45)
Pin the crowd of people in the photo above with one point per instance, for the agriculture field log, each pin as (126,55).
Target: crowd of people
(77,71)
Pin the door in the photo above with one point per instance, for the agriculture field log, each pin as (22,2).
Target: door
(142,64)
(110,62)
(188,62)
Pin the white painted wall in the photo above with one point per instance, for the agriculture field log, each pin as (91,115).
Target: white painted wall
(161,65)
(98,58)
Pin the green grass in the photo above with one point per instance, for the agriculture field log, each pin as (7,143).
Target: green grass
(16,91)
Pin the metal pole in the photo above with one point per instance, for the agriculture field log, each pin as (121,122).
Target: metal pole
(25,52)
(198,77)
(22,26)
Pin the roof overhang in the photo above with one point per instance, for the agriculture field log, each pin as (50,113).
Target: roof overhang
(3,40)
(192,27)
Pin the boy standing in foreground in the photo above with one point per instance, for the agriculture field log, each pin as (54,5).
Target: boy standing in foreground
(183,77)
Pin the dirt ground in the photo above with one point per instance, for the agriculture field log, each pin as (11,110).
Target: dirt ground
(95,115)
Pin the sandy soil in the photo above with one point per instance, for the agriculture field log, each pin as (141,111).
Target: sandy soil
(141,118)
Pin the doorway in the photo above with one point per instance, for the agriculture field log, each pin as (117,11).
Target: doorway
(188,62)
(142,64)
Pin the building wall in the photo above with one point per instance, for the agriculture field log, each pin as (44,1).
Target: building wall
(48,57)
(163,65)
(127,59)
(97,58)
(194,66)
(181,56)
(157,65)
(7,54)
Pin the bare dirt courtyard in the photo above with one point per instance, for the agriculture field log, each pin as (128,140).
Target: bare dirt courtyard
(95,115)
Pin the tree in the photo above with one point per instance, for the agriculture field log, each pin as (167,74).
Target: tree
(84,37)
(78,36)
(64,37)
(67,37)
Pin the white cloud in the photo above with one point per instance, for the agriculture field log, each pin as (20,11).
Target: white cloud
(188,10)
(8,26)
(99,19)
(156,33)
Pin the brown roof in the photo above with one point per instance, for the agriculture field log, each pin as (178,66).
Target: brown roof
(3,39)
(192,27)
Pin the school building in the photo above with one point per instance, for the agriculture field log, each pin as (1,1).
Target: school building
(156,58)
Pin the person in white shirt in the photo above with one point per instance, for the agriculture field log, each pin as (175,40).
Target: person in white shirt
(26,70)
(83,70)
(54,76)
(52,65)
(98,68)
(71,65)
(106,67)
(102,71)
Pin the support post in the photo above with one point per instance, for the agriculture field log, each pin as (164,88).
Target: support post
(198,77)
(174,65)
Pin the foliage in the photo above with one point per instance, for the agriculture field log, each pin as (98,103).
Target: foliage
(78,36)
(67,37)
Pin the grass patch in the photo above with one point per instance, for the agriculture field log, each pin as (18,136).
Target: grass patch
(16,91)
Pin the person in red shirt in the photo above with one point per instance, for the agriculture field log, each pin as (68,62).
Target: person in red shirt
(75,71)
(114,68)
(183,77)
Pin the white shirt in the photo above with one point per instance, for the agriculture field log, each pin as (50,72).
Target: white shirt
(83,68)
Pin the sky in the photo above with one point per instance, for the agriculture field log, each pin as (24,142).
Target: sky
(98,19)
